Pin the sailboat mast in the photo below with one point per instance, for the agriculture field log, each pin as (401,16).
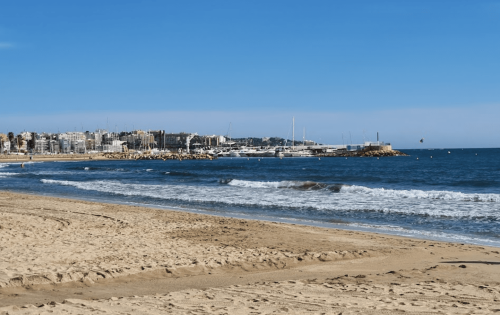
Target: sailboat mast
(293,132)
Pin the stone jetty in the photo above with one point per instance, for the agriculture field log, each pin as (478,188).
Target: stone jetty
(159,156)
(364,153)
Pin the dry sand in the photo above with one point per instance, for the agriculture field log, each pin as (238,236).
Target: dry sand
(75,257)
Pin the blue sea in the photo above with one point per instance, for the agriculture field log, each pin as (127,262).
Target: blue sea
(453,196)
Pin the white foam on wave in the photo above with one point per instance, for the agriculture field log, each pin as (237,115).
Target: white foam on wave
(419,194)
(6,174)
(86,168)
(293,200)
(254,184)
(149,170)
(282,184)
(373,192)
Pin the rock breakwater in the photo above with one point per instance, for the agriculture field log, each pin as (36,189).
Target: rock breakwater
(160,156)
(364,153)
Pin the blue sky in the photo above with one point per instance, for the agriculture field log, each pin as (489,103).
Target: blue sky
(408,69)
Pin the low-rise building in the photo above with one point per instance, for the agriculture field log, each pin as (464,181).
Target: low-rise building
(4,144)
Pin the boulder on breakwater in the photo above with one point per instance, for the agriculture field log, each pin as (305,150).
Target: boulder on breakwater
(364,153)
(160,156)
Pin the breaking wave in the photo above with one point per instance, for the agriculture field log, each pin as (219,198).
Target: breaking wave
(420,194)
(366,191)
(3,175)
(353,199)
(307,185)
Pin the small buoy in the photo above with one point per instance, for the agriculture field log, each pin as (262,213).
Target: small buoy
(22,165)
(378,158)
(259,160)
(449,152)
(319,159)
(346,158)
(417,159)
(431,156)
(476,153)
(248,159)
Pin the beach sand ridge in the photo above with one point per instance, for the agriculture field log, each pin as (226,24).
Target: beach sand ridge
(78,257)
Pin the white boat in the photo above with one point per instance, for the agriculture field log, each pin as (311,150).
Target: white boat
(248,153)
(297,153)
(269,153)
(244,152)
(222,153)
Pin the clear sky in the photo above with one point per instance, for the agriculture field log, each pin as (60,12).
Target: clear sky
(408,69)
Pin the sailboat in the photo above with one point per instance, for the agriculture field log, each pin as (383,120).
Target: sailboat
(294,152)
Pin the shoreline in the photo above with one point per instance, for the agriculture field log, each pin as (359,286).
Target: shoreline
(347,226)
(363,226)
(51,158)
(69,252)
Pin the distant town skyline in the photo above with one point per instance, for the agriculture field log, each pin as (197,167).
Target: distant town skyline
(409,70)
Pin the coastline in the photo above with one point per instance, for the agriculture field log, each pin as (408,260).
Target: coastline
(52,158)
(58,250)
(344,226)
(388,229)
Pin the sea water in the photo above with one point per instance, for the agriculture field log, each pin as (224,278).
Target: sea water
(433,194)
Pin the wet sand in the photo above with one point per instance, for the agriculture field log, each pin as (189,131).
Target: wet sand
(77,257)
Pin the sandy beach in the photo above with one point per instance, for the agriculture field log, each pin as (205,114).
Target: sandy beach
(77,257)
(50,158)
